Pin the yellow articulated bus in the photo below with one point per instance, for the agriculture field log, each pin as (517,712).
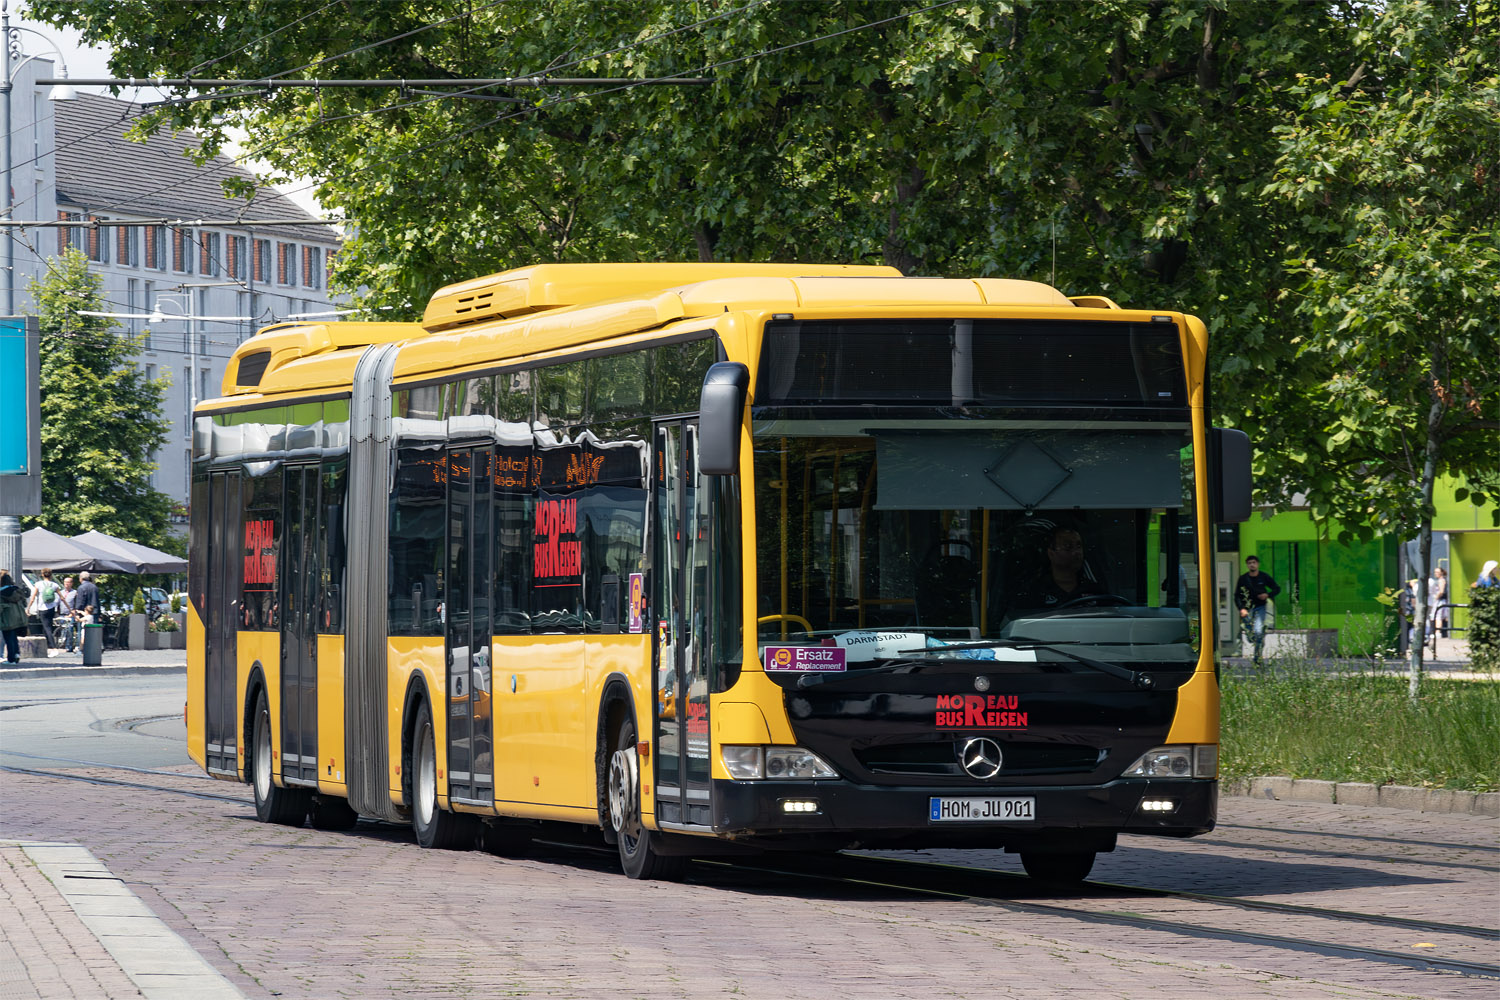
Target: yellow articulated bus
(718,557)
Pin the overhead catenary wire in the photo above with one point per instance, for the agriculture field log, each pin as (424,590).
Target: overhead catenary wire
(271,83)
(712,66)
(268,35)
(250,154)
(571,98)
(95,223)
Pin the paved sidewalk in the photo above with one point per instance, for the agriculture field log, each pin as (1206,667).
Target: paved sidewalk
(69,928)
(114,661)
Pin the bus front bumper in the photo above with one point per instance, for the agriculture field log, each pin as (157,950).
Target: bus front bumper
(1060,817)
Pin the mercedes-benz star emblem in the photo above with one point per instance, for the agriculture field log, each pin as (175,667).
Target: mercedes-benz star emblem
(981,758)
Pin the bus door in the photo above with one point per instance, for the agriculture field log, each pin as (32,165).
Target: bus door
(680,604)
(466,627)
(221,619)
(299,620)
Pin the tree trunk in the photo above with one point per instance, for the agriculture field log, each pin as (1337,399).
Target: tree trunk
(1424,535)
(896,253)
(706,239)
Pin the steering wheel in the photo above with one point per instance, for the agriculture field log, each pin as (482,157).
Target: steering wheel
(1114,600)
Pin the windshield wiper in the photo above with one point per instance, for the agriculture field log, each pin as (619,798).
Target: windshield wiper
(1139,678)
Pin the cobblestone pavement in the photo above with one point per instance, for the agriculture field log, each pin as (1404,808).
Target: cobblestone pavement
(305,913)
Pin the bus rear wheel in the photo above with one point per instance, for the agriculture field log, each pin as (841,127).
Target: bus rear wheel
(285,806)
(636,844)
(1067,868)
(434,826)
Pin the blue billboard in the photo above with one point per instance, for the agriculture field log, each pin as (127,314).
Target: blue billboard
(16,413)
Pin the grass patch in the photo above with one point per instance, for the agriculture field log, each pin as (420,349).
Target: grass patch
(1291,720)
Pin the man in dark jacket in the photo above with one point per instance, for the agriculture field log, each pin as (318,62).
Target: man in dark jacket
(14,595)
(1253,592)
(88,594)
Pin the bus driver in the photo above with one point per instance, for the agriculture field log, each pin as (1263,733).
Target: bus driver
(1065,578)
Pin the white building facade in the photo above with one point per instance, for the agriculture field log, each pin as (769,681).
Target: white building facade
(200,272)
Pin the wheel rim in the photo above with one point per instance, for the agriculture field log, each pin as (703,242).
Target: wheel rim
(262,756)
(426,777)
(623,814)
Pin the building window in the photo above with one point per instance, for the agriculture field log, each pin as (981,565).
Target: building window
(98,243)
(312,267)
(127,246)
(286,263)
(68,236)
(132,300)
(182,250)
(237,260)
(262,261)
(211,247)
(156,248)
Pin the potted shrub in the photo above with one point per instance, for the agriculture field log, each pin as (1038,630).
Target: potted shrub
(135,622)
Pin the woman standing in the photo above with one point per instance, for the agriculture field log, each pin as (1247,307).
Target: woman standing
(44,605)
(1437,598)
(13,598)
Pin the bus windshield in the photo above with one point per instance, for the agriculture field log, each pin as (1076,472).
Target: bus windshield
(1012,536)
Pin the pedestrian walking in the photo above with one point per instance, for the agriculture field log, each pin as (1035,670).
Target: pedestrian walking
(67,614)
(13,600)
(44,605)
(88,593)
(1253,594)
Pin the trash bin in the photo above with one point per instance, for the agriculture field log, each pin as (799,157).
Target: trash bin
(93,645)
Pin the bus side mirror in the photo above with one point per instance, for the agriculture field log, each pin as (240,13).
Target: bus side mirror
(725,388)
(1229,488)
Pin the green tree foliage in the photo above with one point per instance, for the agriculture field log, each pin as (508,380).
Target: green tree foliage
(101,417)
(1484,628)
(1394,280)
(1317,180)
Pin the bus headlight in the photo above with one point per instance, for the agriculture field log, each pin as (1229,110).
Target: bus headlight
(754,763)
(796,764)
(743,763)
(1168,762)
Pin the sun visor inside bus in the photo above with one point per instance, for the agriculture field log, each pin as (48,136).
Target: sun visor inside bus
(1023,470)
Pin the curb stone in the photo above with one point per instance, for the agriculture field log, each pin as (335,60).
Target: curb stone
(154,958)
(1357,793)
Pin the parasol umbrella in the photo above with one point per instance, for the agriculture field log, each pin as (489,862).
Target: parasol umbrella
(150,560)
(43,549)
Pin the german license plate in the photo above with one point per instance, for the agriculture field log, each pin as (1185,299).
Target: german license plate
(1013,809)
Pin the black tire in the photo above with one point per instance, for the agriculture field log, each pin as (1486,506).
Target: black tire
(1069,868)
(286,806)
(637,845)
(436,828)
(329,812)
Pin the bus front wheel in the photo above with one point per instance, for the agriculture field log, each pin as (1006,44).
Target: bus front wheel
(286,806)
(435,827)
(1067,868)
(636,844)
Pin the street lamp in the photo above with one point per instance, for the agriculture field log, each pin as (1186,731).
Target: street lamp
(180,302)
(10,524)
(10,44)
